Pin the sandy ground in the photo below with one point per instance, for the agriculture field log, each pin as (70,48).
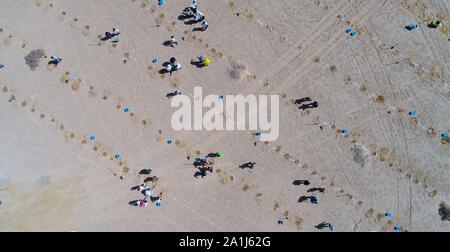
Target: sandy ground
(53,178)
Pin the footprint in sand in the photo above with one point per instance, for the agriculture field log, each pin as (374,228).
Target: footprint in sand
(5,89)
(180,144)
(86,31)
(232,5)
(278,149)
(359,205)
(369,213)
(305,166)
(171,26)
(245,187)
(432,194)
(258,196)
(112,48)
(76,85)
(48,7)
(23,104)
(146,122)
(159,136)
(62,16)
(24,44)
(42,116)
(159,19)
(175,82)
(65,77)
(38,2)
(299,223)
(316,59)
(349,199)
(73,22)
(92,92)
(379,217)
(431,132)
(152,72)
(333,69)
(276,205)
(152,9)
(388,226)
(8,40)
(383,153)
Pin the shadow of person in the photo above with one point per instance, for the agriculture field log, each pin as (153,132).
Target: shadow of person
(151,179)
(154,198)
(145,171)
(197,29)
(200,172)
(183,17)
(191,22)
(133,202)
(167,43)
(302,198)
(107,36)
(197,64)
(163,71)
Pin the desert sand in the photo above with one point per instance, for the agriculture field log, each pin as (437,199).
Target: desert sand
(53,177)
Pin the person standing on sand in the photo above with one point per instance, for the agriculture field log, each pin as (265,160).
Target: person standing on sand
(54,60)
(172,41)
(204,25)
(148,191)
(158,200)
(199,16)
(143,203)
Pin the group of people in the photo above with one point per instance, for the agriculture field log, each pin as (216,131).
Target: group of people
(193,12)
(203,166)
(146,191)
(172,65)
(311,198)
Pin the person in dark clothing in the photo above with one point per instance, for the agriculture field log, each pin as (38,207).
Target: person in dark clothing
(302,100)
(314,189)
(247,165)
(300,182)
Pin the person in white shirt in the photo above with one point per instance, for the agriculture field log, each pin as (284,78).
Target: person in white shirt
(204,25)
